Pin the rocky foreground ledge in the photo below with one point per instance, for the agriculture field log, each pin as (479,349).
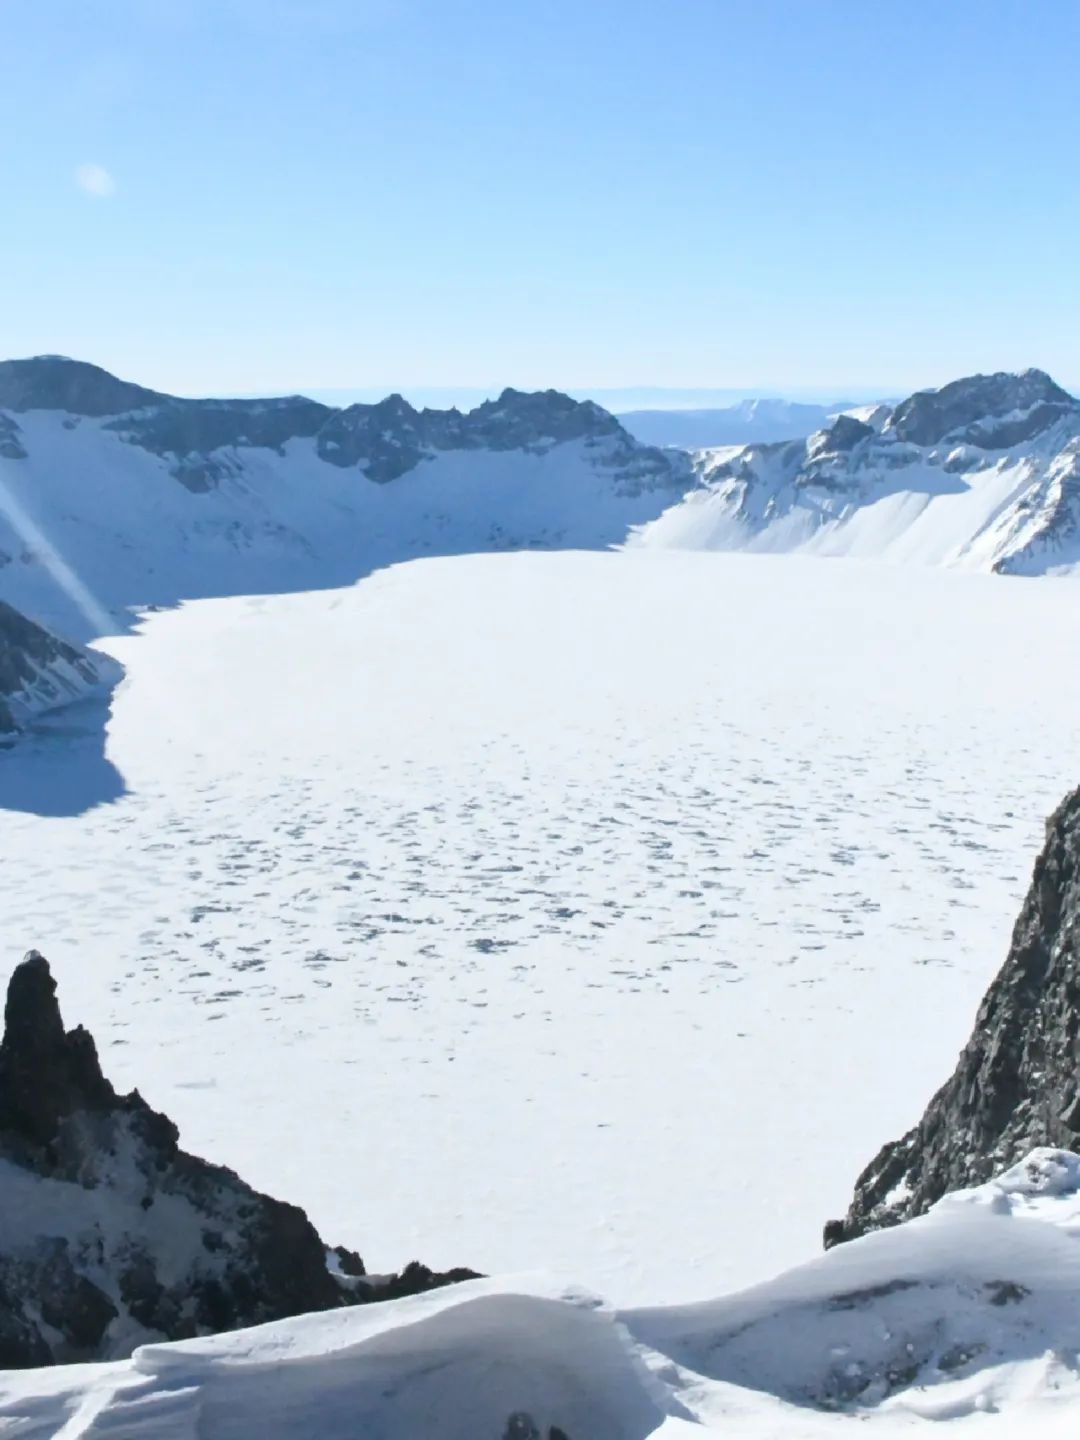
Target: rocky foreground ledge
(1016,1086)
(112,1236)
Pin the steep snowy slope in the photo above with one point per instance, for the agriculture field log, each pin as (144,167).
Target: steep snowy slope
(967,1315)
(983,473)
(112,496)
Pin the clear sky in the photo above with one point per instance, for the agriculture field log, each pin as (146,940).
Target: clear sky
(245,195)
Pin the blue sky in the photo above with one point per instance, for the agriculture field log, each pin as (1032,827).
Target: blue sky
(792,195)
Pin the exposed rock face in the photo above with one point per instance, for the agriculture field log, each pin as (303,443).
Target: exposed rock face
(52,382)
(1017,1083)
(191,431)
(111,1235)
(981,409)
(39,671)
(521,1426)
(391,437)
(11,446)
(840,438)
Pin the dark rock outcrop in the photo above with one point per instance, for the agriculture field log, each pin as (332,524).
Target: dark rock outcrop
(11,446)
(392,437)
(521,1426)
(982,410)
(198,427)
(53,382)
(840,438)
(1017,1083)
(38,670)
(110,1234)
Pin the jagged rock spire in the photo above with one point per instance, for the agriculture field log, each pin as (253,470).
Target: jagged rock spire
(136,1231)
(46,1073)
(1017,1082)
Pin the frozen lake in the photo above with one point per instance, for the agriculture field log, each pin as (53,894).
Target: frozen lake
(594,913)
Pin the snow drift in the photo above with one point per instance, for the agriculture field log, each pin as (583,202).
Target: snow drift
(966,1313)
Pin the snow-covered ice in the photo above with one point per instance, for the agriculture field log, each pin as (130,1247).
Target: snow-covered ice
(595,913)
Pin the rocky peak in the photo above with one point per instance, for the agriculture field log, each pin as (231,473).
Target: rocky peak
(53,382)
(113,1235)
(1016,1085)
(524,418)
(839,439)
(397,406)
(46,1073)
(968,409)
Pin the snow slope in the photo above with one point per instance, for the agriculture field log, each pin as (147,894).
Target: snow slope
(966,1315)
(983,474)
(494,907)
(105,507)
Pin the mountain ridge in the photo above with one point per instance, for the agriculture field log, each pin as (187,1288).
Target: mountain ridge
(285,493)
(115,496)
(983,473)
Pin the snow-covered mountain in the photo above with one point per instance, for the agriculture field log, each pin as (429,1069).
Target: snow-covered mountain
(40,672)
(113,496)
(983,473)
(750,422)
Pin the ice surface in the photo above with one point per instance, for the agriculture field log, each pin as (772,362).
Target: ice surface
(597,913)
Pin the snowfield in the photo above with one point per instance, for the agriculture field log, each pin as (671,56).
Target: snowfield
(966,1315)
(598,914)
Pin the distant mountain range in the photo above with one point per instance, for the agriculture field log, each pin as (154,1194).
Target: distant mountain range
(114,496)
(747,423)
